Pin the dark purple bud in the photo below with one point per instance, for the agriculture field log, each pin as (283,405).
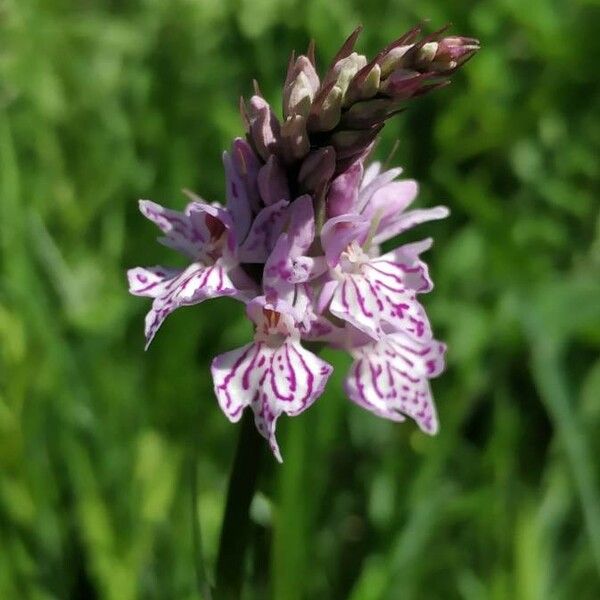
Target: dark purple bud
(348,143)
(343,191)
(452,52)
(364,115)
(345,163)
(272,182)
(402,84)
(317,169)
(264,127)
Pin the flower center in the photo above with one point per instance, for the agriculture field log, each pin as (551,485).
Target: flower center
(352,259)
(274,328)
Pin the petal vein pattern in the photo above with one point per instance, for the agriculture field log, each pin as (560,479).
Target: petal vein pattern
(202,232)
(391,379)
(382,292)
(273,375)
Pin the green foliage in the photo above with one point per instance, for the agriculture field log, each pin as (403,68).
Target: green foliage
(105,102)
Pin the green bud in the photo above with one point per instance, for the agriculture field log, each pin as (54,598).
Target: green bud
(294,139)
(345,69)
(393,60)
(326,110)
(364,85)
(301,86)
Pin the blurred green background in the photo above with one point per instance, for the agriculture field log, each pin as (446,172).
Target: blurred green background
(105,102)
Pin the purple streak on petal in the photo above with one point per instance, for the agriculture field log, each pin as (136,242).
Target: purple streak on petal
(263,234)
(390,378)
(149,281)
(383,296)
(191,286)
(179,233)
(355,303)
(272,380)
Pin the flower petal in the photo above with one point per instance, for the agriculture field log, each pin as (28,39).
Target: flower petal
(343,191)
(263,234)
(179,233)
(191,232)
(391,200)
(192,286)
(238,202)
(383,298)
(390,378)
(271,380)
(372,181)
(149,281)
(370,173)
(407,221)
(302,224)
(338,233)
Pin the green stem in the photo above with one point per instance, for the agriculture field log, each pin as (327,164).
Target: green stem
(200,567)
(236,521)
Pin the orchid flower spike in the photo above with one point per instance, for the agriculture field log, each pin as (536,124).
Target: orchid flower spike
(298,241)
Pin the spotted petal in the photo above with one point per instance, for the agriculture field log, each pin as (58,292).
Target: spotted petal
(271,380)
(390,378)
(382,297)
(190,231)
(150,281)
(172,289)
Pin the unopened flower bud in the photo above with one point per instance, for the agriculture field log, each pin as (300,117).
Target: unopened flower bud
(364,85)
(343,191)
(451,52)
(426,53)
(402,84)
(263,126)
(363,115)
(294,139)
(345,69)
(317,169)
(326,109)
(349,143)
(272,182)
(392,60)
(301,86)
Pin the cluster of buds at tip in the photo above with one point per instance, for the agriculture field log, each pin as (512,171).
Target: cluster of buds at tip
(299,242)
(336,118)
